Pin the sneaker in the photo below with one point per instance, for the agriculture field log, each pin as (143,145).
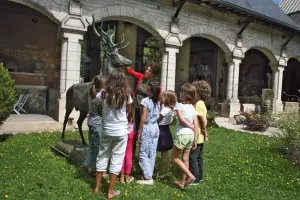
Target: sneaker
(196,182)
(145,182)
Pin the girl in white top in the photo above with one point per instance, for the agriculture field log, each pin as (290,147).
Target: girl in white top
(186,133)
(115,108)
(165,140)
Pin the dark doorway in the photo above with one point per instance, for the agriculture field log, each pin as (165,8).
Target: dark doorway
(253,75)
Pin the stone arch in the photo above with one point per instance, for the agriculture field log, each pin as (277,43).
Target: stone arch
(133,15)
(38,8)
(268,53)
(295,57)
(210,33)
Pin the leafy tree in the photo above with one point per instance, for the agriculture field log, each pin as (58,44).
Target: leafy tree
(7,94)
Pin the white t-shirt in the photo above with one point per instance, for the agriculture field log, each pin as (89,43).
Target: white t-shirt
(189,112)
(168,116)
(114,122)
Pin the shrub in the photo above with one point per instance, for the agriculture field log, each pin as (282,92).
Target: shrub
(211,115)
(289,126)
(7,94)
(257,122)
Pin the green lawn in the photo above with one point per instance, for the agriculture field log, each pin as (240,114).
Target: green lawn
(237,166)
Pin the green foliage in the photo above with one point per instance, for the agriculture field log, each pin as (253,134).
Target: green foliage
(7,94)
(30,170)
(151,52)
(289,125)
(211,115)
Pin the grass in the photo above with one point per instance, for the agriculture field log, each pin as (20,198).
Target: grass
(237,166)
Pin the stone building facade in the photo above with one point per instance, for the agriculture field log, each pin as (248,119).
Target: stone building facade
(180,41)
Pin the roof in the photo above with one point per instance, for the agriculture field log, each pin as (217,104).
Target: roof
(289,6)
(265,10)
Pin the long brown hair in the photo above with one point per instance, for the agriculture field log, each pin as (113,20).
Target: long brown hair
(116,89)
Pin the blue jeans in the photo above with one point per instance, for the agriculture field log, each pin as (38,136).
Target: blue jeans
(94,141)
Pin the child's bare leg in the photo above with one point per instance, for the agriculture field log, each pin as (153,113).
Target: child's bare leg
(185,159)
(180,164)
(122,178)
(111,188)
(165,162)
(98,182)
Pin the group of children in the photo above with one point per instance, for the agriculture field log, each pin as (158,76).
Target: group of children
(111,131)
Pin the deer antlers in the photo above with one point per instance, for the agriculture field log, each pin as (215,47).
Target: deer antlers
(106,35)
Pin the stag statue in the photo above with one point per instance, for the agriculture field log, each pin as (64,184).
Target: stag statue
(77,94)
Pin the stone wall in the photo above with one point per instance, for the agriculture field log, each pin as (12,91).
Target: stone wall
(30,49)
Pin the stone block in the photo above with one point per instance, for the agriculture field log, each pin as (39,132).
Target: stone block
(291,107)
(248,107)
(230,109)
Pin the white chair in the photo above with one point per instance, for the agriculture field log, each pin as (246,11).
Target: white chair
(20,103)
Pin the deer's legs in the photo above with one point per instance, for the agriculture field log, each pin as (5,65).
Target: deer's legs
(68,112)
(81,118)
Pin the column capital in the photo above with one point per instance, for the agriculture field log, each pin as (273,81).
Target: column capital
(172,49)
(74,24)
(75,37)
(237,60)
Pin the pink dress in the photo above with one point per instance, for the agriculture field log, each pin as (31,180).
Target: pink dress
(127,163)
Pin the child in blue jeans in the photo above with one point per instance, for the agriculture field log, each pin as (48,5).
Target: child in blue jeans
(94,124)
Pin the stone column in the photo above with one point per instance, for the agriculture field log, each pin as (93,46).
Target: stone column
(232,105)
(280,79)
(164,71)
(171,73)
(229,80)
(69,67)
(236,75)
(277,87)
(275,80)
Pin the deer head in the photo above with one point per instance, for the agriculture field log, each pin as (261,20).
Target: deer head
(112,57)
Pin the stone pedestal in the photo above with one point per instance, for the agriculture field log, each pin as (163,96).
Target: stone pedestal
(72,150)
(230,109)
(248,107)
(291,107)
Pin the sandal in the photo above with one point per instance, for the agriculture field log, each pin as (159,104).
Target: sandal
(130,180)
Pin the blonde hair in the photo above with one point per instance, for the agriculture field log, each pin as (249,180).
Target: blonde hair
(169,98)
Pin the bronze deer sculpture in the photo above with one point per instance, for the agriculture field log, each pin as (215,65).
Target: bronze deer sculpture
(77,94)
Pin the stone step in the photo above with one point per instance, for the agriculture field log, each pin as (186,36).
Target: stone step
(29,123)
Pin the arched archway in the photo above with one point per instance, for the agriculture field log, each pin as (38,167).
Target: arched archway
(28,49)
(142,43)
(291,81)
(255,74)
(134,15)
(202,58)
(38,8)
